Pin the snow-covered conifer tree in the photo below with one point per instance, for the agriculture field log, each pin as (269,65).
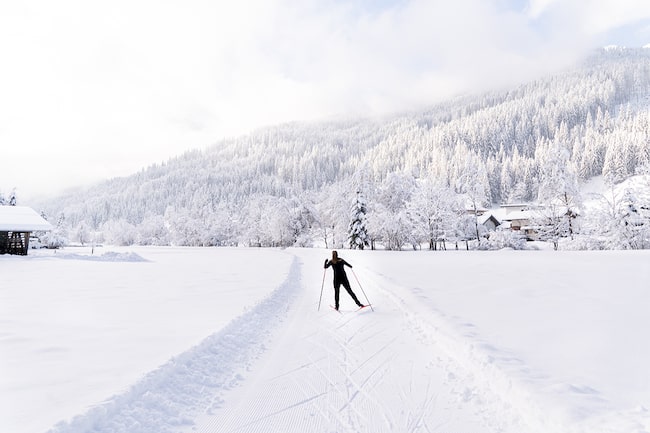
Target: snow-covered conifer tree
(615,167)
(358,232)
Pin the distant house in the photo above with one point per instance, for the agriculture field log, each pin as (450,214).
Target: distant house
(489,221)
(478,211)
(519,216)
(16,224)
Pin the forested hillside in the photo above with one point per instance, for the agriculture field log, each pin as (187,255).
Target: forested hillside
(407,175)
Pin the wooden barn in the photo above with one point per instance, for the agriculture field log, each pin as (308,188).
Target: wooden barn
(16,224)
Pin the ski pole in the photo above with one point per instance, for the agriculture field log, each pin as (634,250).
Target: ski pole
(321,289)
(362,291)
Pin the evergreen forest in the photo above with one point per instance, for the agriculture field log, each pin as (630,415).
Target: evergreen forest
(402,181)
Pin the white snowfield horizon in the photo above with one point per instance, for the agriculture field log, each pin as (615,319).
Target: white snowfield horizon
(168,339)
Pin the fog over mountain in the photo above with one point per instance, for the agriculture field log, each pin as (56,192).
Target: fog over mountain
(295,183)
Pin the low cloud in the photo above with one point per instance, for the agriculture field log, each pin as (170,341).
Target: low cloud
(133,83)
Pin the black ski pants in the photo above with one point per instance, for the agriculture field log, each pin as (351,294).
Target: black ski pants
(337,286)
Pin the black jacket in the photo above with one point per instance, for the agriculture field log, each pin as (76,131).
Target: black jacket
(339,273)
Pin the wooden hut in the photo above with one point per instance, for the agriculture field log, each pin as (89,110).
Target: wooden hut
(16,224)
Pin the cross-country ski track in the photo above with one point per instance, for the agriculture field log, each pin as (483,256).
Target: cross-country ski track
(330,372)
(285,366)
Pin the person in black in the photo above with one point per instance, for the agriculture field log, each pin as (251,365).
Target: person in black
(340,277)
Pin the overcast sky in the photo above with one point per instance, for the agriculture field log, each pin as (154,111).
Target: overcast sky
(92,90)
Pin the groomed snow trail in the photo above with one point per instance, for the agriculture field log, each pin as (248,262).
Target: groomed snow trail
(172,396)
(365,371)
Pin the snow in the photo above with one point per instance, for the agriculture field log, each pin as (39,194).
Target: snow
(225,339)
(21,218)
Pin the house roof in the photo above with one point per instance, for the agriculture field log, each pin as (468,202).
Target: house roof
(21,219)
(515,205)
(486,217)
(518,215)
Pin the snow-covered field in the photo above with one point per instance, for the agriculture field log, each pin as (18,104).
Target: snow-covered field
(224,339)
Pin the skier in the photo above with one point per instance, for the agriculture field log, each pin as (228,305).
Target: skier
(340,277)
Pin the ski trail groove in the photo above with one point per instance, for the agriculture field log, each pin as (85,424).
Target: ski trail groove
(469,375)
(278,412)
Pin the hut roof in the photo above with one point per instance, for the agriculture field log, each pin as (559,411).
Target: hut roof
(21,219)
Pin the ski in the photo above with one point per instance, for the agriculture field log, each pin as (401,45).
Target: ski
(354,311)
(333,308)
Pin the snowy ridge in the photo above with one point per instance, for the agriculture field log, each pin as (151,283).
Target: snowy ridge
(171,396)
(512,395)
